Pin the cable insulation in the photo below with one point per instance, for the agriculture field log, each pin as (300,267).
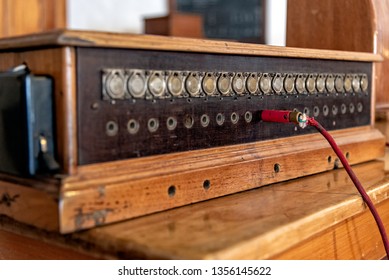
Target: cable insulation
(353,177)
(302,120)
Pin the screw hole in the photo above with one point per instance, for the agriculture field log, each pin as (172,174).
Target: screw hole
(111,128)
(277,168)
(153,125)
(248,116)
(171,123)
(220,119)
(206,184)
(234,118)
(204,120)
(188,121)
(132,126)
(171,191)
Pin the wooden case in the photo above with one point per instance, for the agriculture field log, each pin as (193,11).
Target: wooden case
(87,195)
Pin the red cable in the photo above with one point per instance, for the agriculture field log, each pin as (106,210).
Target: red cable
(353,177)
(279,116)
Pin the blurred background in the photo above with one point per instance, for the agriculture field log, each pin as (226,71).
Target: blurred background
(259,21)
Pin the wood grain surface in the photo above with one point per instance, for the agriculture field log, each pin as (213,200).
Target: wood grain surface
(19,247)
(344,25)
(113,191)
(316,217)
(266,223)
(152,42)
(31,16)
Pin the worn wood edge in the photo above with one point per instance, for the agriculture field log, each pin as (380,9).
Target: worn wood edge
(205,158)
(125,240)
(357,230)
(29,205)
(154,42)
(79,246)
(108,199)
(275,241)
(69,110)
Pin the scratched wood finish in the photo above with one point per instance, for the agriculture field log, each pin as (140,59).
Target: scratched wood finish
(289,220)
(152,42)
(344,25)
(99,194)
(59,63)
(259,224)
(19,247)
(37,206)
(113,191)
(343,241)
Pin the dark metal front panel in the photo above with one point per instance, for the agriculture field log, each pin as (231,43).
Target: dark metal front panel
(113,127)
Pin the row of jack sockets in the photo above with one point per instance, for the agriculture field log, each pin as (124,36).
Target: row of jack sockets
(141,84)
(153,124)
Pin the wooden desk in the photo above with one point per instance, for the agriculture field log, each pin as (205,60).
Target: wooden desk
(316,217)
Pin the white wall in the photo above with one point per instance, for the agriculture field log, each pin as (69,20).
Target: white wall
(276,22)
(127,16)
(113,15)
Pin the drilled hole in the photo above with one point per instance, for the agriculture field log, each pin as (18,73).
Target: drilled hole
(359,107)
(248,116)
(204,120)
(347,155)
(325,110)
(334,110)
(171,191)
(111,128)
(343,109)
(171,123)
(220,119)
(188,121)
(152,125)
(206,184)
(351,108)
(234,118)
(277,168)
(316,111)
(329,159)
(132,126)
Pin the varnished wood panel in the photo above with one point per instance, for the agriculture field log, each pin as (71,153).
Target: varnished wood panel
(176,24)
(315,217)
(334,24)
(19,247)
(113,191)
(354,238)
(59,63)
(262,223)
(381,8)
(346,25)
(31,16)
(163,43)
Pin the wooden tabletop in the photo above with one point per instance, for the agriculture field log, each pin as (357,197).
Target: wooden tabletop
(315,217)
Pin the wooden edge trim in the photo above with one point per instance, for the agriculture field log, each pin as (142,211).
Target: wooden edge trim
(69,117)
(154,42)
(89,202)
